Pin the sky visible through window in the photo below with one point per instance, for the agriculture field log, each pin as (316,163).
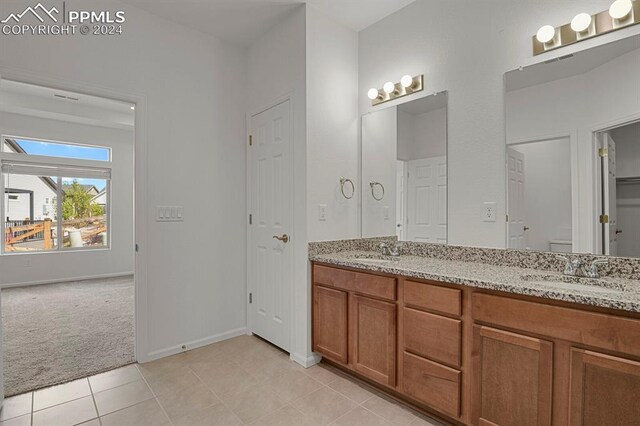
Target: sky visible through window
(68,151)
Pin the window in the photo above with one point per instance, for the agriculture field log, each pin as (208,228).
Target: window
(56,196)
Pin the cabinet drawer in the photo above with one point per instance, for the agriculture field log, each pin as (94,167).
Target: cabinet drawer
(574,325)
(432,297)
(432,384)
(358,282)
(432,336)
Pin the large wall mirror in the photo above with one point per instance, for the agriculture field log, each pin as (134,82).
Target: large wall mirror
(404,171)
(573,152)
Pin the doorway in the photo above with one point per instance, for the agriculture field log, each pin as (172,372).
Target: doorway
(270,257)
(68,292)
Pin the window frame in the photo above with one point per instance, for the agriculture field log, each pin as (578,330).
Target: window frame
(62,162)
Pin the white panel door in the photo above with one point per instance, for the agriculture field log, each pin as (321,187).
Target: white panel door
(270,257)
(401,202)
(515,199)
(427,200)
(609,175)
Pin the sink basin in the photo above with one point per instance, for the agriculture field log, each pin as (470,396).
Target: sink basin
(375,258)
(564,282)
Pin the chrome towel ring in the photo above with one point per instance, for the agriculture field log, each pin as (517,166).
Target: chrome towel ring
(373,192)
(344,181)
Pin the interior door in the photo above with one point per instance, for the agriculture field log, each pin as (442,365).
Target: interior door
(270,257)
(609,198)
(427,200)
(515,199)
(401,185)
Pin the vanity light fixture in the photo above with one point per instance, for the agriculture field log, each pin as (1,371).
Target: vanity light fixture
(621,14)
(408,85)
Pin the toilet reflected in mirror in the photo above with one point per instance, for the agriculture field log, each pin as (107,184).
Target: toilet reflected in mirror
(404,171)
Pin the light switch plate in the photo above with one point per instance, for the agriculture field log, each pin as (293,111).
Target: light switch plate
(385,212)
(322,212)
(170,214)
(489,211)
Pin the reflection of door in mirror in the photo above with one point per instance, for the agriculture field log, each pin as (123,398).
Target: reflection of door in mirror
(404,148)
(619,151)
(539,195)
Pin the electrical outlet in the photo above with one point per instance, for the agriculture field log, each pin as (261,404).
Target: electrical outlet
(322,212)
(489,212)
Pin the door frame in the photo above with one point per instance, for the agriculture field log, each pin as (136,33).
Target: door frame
(140,145)
(249,228)
(596,175)
(577,218)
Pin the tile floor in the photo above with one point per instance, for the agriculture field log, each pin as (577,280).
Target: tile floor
(240,381)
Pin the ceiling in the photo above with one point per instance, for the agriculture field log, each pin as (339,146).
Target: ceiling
(571,65)
(242,22)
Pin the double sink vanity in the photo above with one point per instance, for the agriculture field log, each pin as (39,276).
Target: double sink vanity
(483,336)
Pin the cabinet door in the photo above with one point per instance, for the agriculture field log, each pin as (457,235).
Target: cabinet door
(604,390)
(374,337)
(330,323)
(513,379)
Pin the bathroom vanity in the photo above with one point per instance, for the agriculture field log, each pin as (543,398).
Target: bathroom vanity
(482,343)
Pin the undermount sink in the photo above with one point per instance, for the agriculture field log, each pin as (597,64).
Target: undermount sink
(565,282)
(375,258)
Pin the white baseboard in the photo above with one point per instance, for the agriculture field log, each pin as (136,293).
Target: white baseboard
(194,344)
(66,280)
(306,361)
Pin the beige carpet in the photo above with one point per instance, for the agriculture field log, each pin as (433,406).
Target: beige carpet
(55,333)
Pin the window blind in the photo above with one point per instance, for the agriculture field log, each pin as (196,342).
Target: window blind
(33,169)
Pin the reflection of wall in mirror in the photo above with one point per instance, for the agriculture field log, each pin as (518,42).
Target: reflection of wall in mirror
(547,193)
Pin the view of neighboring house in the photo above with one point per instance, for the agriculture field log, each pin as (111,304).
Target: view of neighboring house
(28,197)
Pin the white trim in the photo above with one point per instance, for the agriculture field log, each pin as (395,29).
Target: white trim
(306,362)
(67,280)
(249,283)
(194,344)
(140,186)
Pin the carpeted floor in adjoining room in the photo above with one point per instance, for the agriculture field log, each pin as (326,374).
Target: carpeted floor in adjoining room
(55,333)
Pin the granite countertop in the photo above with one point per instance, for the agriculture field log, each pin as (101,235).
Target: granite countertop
(615,293)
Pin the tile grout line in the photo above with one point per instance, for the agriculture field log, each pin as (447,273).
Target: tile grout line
(95,405)
(155,397)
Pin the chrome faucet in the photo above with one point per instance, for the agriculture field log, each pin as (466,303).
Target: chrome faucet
(385,250)
(575,267)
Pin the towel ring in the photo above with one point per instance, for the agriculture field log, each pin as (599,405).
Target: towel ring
(373,192)
(343,181)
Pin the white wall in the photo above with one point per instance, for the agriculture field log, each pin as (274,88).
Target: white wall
(547,191)
(422,135)
(332,126)
(196,269)
(64,265)
(628,212)
(483,40)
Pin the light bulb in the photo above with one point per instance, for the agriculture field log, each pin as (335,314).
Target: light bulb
(373,93)
(581,22)
(620,9)
(546,34)
(406,81)
(389,87)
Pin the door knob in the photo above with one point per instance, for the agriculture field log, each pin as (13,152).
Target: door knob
(284,238)
(526,228)
(618,231)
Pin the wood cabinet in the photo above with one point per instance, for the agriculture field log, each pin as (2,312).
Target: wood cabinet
(513,378)
(604,390)
(330,323)
(374,339)
(478,357)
